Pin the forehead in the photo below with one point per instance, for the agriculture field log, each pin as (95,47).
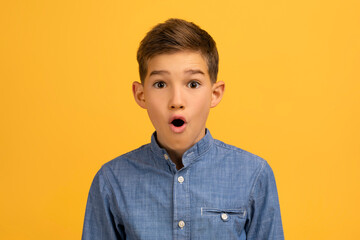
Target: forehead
(177,63)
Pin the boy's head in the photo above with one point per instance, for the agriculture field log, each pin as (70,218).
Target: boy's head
(178,68)
(177,35)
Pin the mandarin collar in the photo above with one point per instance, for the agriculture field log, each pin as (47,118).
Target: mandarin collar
(191,155)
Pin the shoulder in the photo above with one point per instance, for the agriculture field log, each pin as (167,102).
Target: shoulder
(124,165)
(136,155)
(239,155)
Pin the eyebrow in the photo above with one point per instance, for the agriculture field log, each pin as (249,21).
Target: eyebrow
(160,72)
(194,71)
(163,72)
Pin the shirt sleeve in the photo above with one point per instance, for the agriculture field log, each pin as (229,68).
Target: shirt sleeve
(100,221)
(264,219)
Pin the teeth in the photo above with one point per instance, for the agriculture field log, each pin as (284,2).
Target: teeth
(177,122)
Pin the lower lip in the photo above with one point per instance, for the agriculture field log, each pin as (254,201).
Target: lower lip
(178,129)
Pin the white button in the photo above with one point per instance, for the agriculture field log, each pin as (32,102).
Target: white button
(181,224)
(181,179)
(166,156)
(224,216)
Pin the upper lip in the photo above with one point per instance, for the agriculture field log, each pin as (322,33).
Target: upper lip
(177,117)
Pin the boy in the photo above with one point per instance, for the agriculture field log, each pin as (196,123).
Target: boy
(184,184)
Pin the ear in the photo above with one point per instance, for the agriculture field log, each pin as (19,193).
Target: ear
(218,89)
(138,92)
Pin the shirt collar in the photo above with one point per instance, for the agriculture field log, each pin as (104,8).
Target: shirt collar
(191,155)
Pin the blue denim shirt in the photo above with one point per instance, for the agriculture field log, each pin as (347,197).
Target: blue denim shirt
(222,192)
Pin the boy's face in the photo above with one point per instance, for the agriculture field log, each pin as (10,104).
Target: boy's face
(178,94)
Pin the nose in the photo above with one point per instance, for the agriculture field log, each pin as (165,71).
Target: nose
(176,99)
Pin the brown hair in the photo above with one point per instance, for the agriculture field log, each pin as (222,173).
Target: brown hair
(177,35)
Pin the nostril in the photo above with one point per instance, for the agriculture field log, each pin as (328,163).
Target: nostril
(176,106)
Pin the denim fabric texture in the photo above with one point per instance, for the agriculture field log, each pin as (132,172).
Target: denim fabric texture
(222,192)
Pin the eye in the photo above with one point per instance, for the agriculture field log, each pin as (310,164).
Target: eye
(193,84)
(159,84)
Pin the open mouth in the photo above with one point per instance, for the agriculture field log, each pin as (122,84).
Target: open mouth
(177,122)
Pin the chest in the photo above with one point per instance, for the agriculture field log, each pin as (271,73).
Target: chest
(189,204)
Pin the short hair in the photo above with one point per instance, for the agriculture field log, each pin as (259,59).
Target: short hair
(177,35)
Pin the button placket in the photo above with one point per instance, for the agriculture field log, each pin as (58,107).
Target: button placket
(181,205)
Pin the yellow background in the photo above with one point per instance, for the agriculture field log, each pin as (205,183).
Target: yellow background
(292,97)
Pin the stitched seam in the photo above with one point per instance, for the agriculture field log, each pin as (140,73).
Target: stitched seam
(213,211)
(255,182)
(236,149)
(205,151)
(107,182)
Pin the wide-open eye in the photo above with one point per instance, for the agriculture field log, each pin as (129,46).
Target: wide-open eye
(193,84)
(159,84)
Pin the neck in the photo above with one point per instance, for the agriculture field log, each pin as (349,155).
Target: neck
(176,157)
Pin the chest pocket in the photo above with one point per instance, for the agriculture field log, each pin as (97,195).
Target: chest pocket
(224,223)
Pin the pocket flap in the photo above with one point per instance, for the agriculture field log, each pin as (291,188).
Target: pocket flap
(241,212)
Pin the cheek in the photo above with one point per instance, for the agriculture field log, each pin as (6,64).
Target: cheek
(203,107)
(154,109)
(152,101)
